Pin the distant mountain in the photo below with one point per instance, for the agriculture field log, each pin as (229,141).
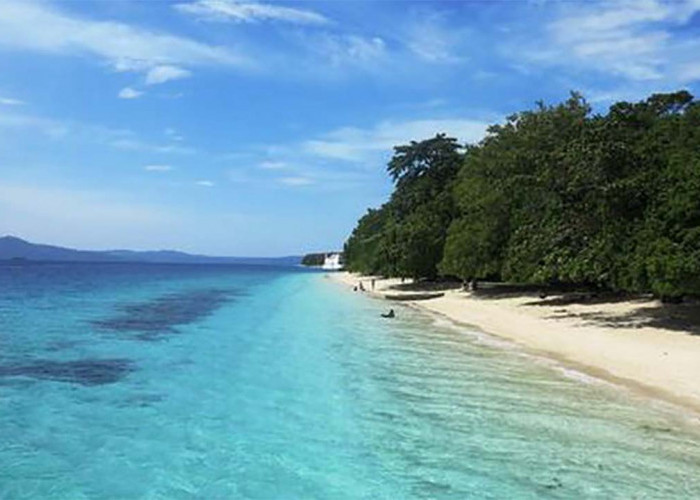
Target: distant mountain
(12,247)
(17,248)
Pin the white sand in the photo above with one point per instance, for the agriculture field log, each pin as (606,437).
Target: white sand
(661,362)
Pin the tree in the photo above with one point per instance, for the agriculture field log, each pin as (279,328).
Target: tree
(406,236)
(553,195)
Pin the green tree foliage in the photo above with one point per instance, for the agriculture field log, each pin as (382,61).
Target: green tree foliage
(365,249)
(553,195)
(406,236)
(313,259)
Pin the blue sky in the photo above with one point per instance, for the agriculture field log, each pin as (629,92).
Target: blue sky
(241,128)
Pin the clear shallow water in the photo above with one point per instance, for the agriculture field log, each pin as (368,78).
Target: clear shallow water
(133,381)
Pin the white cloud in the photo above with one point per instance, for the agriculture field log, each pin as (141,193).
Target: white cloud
(433,41)
(340,50)
(129,93)
(162,74)
(604,18)
(296,181)
(329,55)
(36,26)
(248,12)
(51,128)
(358,145)
(349,157)
(272,165)
(205,183)
(123,139)
(129,142)
(7,101)
(173,135)
(158,168)
(634,40)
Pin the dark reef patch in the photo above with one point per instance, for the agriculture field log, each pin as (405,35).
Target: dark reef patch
(85,371)
(160,316)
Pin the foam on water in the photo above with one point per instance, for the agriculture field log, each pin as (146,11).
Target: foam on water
(289,386)
(487,339)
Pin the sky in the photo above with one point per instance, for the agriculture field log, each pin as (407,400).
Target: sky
(263,129)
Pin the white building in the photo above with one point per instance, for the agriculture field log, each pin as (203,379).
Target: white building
(332,262)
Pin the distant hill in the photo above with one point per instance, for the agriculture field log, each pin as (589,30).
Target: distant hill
(12,247)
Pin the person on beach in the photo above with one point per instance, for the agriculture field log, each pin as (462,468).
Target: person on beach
(362,287)
(390,314)
(373,281)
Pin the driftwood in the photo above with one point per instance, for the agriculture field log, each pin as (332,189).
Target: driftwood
(413,296)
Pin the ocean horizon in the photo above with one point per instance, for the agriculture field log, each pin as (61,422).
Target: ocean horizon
(127,380)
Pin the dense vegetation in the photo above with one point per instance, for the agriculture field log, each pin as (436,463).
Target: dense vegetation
(313,259)
(555,195)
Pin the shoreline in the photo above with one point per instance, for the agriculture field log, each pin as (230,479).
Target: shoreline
(657,362)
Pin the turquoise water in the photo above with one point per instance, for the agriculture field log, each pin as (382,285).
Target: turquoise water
(128,381)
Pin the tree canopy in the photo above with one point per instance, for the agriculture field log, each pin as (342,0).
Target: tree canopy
(556,194)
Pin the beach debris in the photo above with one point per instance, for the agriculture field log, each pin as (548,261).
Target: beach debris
(414,296)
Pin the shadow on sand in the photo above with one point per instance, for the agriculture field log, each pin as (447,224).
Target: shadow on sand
(644,311)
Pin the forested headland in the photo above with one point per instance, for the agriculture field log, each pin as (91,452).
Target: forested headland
(313,259)
(554,195)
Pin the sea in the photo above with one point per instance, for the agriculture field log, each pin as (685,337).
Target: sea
(131,381)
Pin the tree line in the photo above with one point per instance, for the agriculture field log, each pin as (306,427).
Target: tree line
(554,195)
(313,259)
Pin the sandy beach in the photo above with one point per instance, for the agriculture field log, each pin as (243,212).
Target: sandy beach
(638,343)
